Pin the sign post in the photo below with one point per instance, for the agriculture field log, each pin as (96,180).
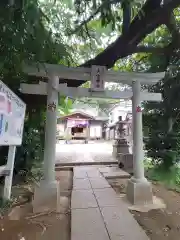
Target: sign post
(12,114)
(10,166)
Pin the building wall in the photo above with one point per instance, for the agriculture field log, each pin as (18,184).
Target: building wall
(121,110)
(95,129)
(112,134)
(61,129)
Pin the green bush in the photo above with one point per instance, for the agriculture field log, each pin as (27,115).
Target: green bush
(164,148)
(170,178)
(30,154)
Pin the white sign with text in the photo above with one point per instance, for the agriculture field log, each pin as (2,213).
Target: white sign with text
(12,114)
(98,78)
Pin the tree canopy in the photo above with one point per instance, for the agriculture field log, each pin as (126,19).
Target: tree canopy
(148,16)
(103,32)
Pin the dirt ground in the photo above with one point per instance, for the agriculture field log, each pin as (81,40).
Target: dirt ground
(50,226)
(159,224)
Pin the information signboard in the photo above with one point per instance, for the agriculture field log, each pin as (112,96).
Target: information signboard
(12,114)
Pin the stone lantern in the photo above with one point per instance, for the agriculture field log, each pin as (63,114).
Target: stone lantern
(121,148)
(120,130)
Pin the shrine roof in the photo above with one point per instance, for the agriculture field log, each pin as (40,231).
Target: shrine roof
(77,115)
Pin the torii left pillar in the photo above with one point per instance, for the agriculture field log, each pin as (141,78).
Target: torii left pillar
(48,189)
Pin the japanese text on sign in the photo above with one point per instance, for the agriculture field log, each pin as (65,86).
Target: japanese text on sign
(12,114)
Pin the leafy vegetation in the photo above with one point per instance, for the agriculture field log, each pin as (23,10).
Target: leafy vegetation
(25,39)
(162,119)
(65,105)
(157,173)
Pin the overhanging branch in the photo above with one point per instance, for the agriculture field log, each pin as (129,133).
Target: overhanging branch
(91,17)
(141,26)
(152,49)
(148,49)
(151,16)
(172,27)
(86,21)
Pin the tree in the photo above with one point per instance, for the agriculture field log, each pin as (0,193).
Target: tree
(151,15)
(93,25)
(24,39)
(65,106)
(162,119)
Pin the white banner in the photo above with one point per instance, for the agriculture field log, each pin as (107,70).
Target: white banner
(12,114)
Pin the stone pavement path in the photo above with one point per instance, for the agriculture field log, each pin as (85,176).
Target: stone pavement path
(85,153)
(97,212)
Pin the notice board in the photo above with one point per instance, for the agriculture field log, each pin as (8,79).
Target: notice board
(12,114)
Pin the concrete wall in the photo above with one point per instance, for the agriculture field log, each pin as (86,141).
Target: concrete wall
(61,129)
(110,134)
(120,110)
(95,129)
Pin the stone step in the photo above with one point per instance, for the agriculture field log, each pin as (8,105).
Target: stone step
(114,175)
(73,164)
(114,172)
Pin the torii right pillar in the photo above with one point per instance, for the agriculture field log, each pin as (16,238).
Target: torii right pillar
(139,190)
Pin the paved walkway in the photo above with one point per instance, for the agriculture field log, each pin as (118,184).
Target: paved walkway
(94,151)
(97,212)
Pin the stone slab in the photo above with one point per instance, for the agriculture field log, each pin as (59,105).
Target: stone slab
(121,225)
(87,224)
(65,168)
(99,183)
(114,172)
(104,169)
(106,197)
(119,174)
(80,183)
(79,172)
(83,199)
(109,169)
(72,164)
(94,172)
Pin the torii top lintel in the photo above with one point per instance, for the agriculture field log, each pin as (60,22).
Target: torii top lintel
(84,74)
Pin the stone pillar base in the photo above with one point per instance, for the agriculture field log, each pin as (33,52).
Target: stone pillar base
(120,146)
(125,161)
(139,192)
(46,197)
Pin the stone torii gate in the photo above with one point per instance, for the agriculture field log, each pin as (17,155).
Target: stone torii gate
(139,189)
